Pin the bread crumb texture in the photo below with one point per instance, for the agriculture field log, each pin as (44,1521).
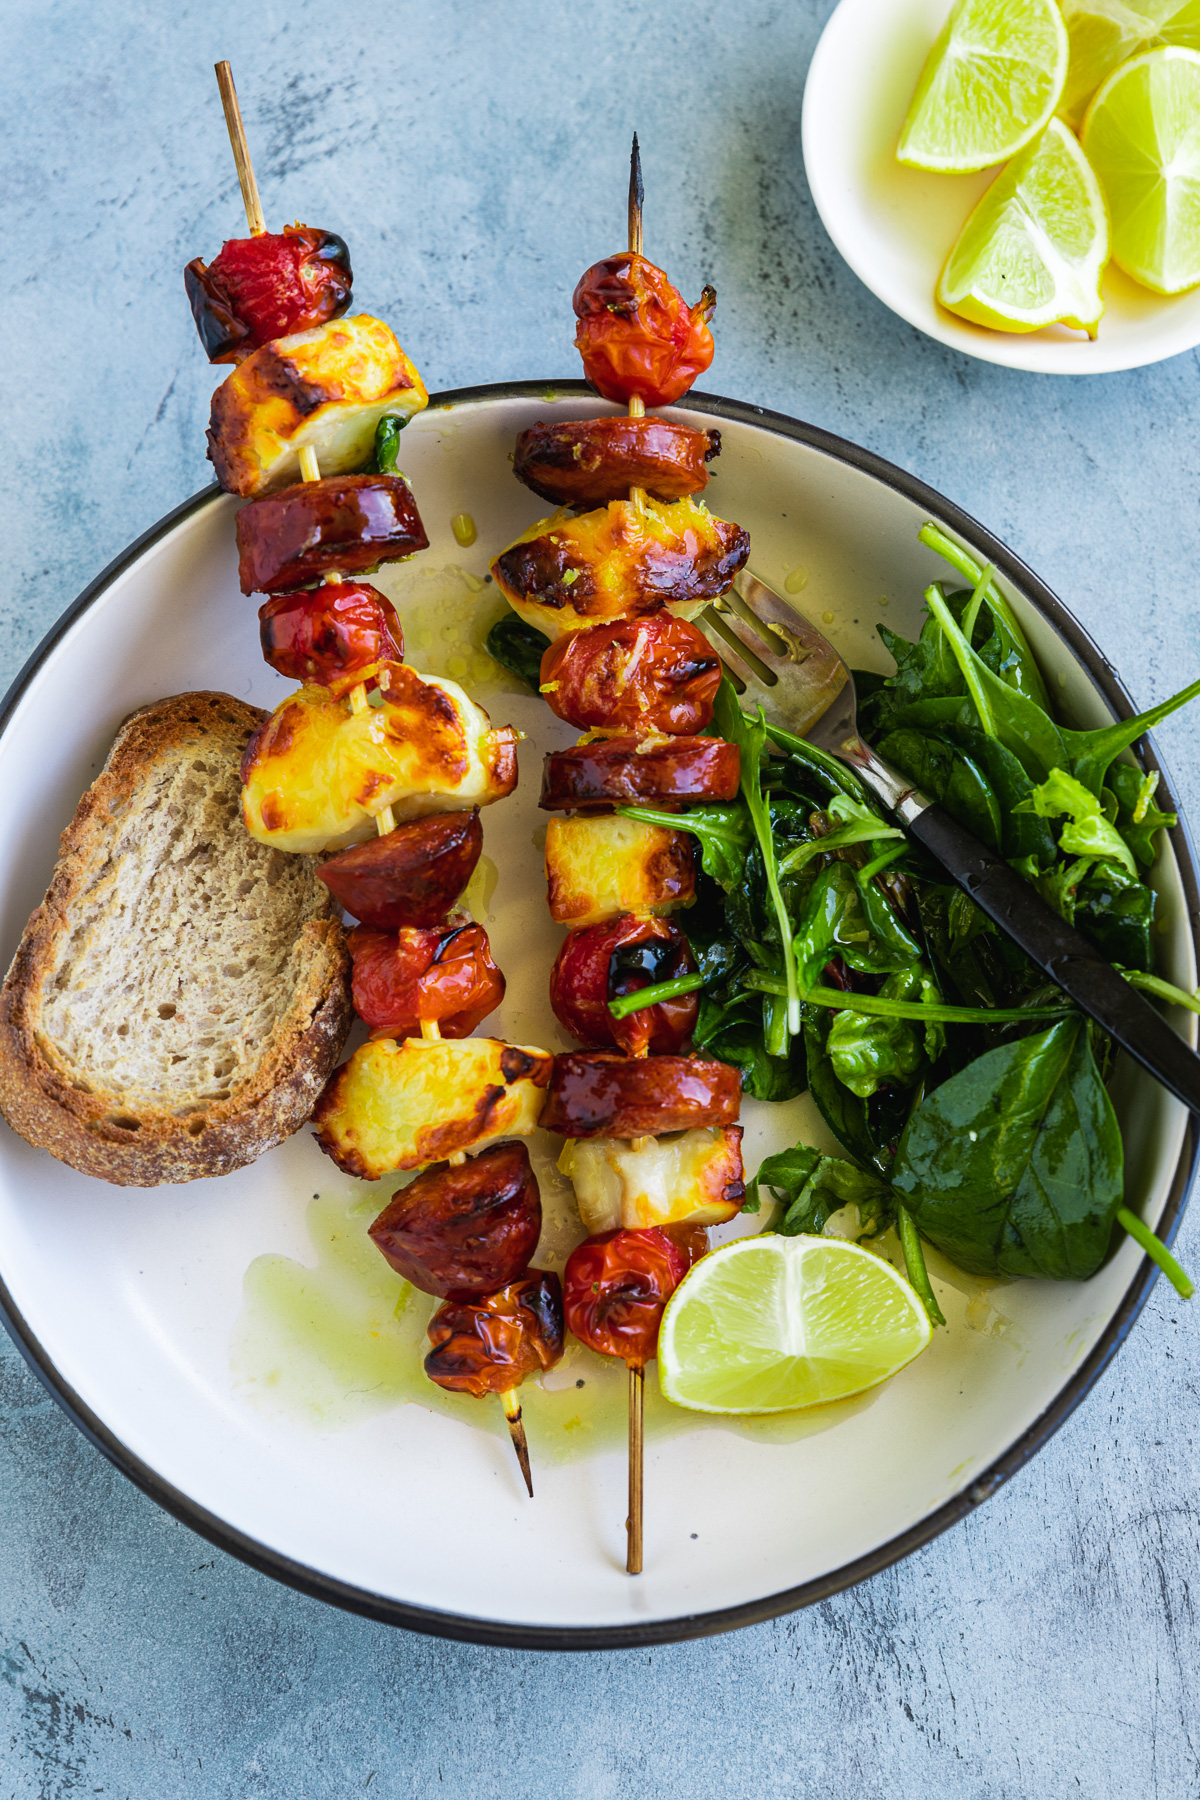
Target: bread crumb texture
(179,998)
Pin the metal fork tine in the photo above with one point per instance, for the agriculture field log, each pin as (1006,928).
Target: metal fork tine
(756,669)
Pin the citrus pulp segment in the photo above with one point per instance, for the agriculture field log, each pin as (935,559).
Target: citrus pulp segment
(1105,33)
(1034,249)
(1142,136)
(990,83)
(770,1323)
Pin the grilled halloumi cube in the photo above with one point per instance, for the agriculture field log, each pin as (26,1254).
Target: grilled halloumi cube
(600,865)
(693,1177)
(316,773)
(619,561)
(324,389)
(401,1103)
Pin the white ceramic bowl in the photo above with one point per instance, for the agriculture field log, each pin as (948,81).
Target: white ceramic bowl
(896,226)
(132,1304)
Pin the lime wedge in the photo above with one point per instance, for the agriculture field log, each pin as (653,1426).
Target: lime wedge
(1105,33)
(769,1323)
(1034,249)
(990,83)
(1142,136)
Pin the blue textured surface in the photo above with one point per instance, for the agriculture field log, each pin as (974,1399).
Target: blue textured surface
(474,156)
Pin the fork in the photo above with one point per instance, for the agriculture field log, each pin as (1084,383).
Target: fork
(795,674)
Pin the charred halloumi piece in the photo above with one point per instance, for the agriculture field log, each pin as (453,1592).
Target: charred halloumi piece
(619,561)
(600,865)
(693,1177)
(402,1103)
(324,389)
(317,772)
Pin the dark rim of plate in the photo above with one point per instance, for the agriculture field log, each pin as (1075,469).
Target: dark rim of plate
(983,1486)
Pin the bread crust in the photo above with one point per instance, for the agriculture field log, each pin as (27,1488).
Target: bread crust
(39,1091)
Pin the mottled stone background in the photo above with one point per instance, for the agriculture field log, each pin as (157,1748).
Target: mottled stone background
(474,156)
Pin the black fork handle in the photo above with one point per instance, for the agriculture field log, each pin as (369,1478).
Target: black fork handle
(1057,948)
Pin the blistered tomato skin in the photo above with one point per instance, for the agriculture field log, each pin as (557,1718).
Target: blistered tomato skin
(444,975)
(656,674)
(333,635)
(680,772)
(463,1231)
(615,1287)
(604,962)
(266,287)
(637,335)
(488,1346)
(344,523)
(413,876)
(597,1094)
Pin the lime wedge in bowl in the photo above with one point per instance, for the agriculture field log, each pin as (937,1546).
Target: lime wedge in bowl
(770,1323)
(990,83)
(1034,249)
(1105,33)
(1142,137)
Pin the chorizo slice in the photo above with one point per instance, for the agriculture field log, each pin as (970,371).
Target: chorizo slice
(613,770)
(411,877)
(598,1094)
(348,523)
(587,462)
(464,1230)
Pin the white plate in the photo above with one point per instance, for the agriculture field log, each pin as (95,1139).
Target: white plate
(895,226)
(131,1302)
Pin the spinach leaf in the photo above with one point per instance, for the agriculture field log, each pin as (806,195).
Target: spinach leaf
(1116,912)
(869,1053)
(519,648)
(1001,711)
(1009,651)
(725,833)
(751,738)
(1014,1166)
(1088,832)
(835,923)
(387,446)
(1022,833)
(845,1113)
(948,775)
(1090,754)
(813,1187)
(835,776)
(1138,818)
(733,1031)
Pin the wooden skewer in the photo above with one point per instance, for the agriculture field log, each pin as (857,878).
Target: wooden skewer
(510,1399)
(241,150)
(633,1524)
(637,1377)
(310,468)
(637,194)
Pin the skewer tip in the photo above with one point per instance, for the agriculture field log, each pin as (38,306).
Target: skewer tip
(637,195)
(516,1431)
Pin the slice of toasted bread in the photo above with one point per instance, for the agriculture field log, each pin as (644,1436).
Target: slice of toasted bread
(180,996)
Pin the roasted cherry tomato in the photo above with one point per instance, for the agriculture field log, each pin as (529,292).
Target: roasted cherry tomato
(598,1094)
(615,1287)
(586,462)
(683,770)
(266,287)
(464,1230)
(347,523)
(637,335)
(602,962)
(651,674)
(412,876)
(333,635)
(488,1346)
(402,978)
